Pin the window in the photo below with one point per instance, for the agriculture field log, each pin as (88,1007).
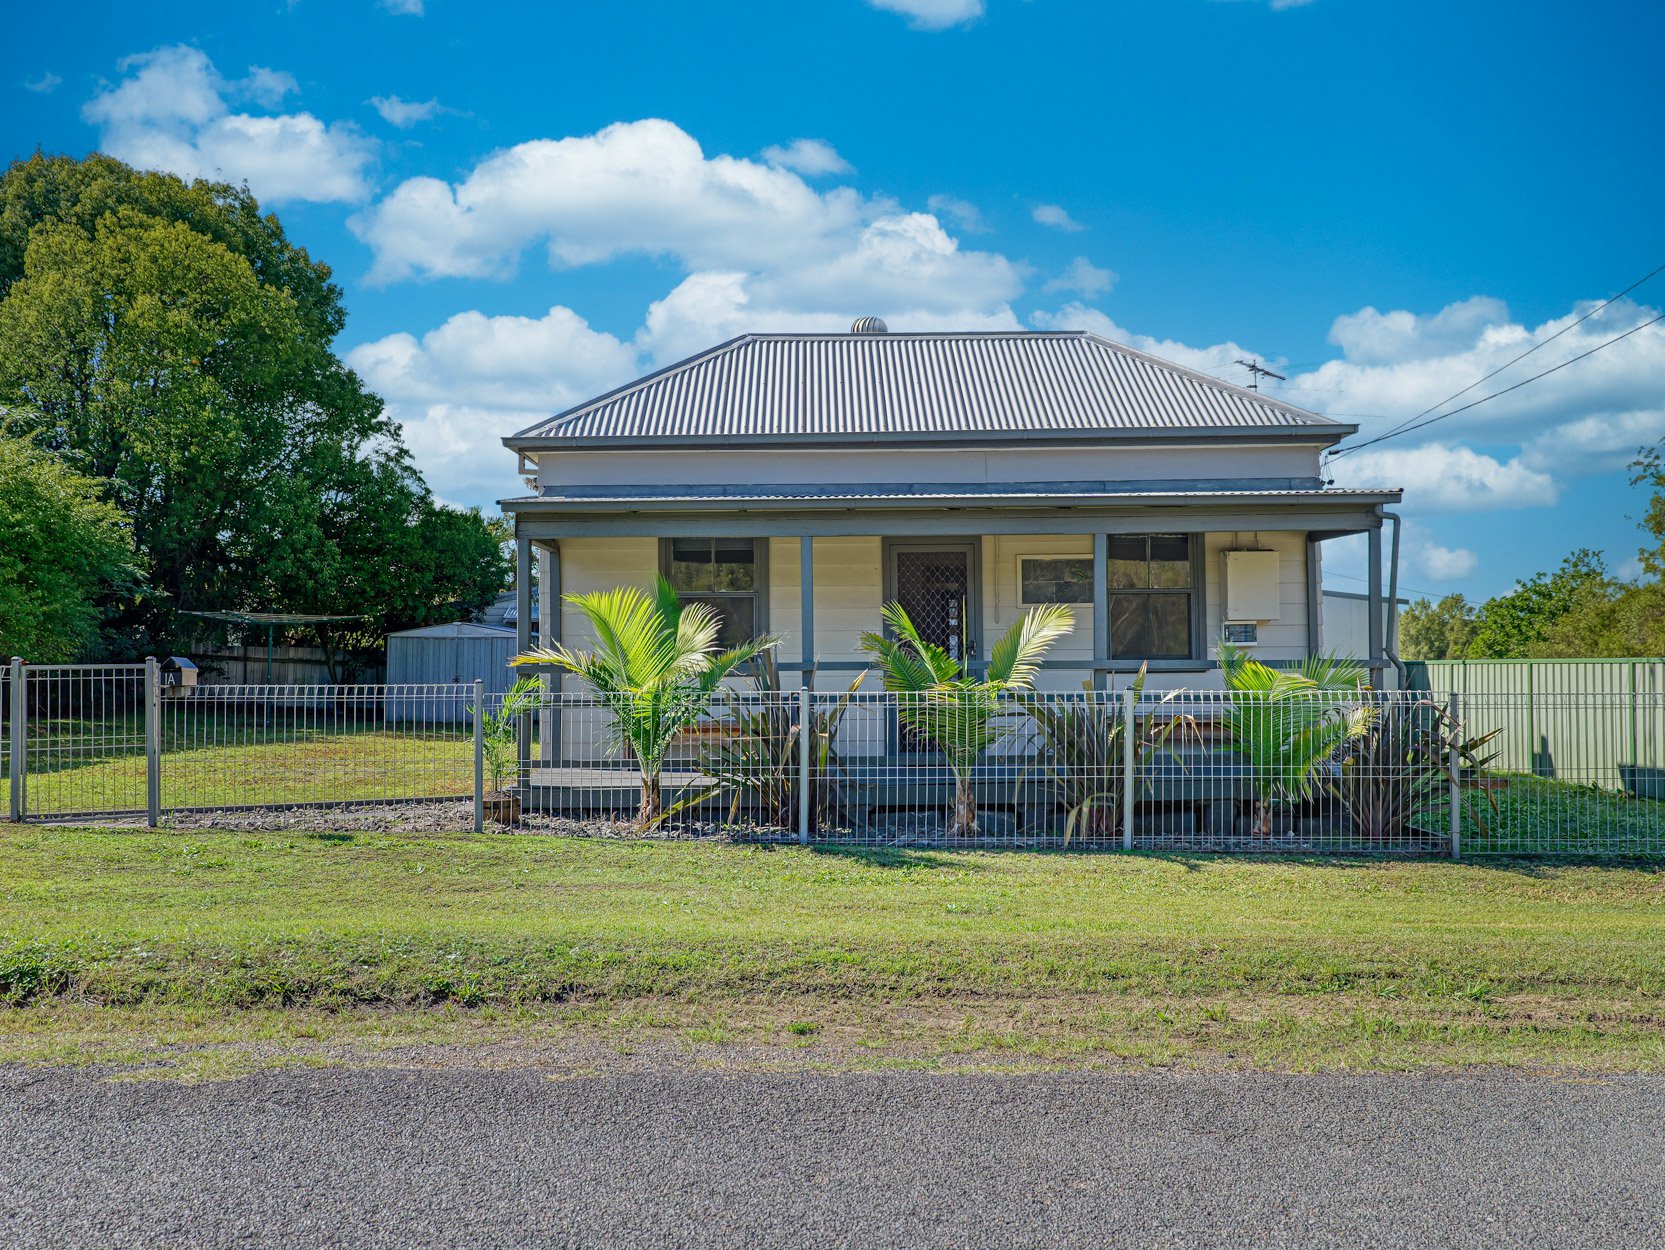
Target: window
(1151,585)
(723,572)
(1052,579)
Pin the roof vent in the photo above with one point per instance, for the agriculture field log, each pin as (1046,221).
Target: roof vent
(869,325)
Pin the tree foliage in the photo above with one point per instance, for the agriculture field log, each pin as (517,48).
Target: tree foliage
(63,551)
(168,339)
(1437,631)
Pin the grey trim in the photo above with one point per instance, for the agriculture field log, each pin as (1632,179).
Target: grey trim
(551,631)
(523,637)
(1147,436)
(806,600)
(1315,597)
(929,490)
(946,522)
(558,506)
(1373,627)
(1101,604)
(760,574)
(1198,589)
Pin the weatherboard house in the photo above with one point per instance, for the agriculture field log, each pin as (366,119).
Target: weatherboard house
(797,482)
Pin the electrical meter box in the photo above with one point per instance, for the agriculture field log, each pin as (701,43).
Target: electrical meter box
(1250,586)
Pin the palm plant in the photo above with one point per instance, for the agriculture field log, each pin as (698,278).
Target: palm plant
(498,736)
(1083,742)
(943,702)
(655,666)
(1287,724)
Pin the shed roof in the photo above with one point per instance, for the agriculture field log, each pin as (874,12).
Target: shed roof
(843,388)
(456,629)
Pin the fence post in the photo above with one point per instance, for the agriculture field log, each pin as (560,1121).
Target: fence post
(479,755)
(806,731)
(20,739)
(1456,765)
(153,743)
(1128,701)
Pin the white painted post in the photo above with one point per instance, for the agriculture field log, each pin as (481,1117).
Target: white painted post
(20,738)
(806,731)
(1128,727)
(1456,766)
(153,743)
(479,755)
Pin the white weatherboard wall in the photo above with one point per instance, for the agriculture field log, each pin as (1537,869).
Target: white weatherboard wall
(946,467)
(849,588)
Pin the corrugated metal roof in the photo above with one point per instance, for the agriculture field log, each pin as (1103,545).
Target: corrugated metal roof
(1060,498)
(802,387)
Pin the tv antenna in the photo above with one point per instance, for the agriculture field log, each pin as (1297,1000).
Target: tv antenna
(1257,371)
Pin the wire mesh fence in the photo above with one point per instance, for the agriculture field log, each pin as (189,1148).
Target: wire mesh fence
(225,747)
(1188,770)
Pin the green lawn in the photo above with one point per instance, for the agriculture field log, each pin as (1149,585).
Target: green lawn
(100,766)
(118,943)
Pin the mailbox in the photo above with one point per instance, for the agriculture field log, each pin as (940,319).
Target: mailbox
(175,675)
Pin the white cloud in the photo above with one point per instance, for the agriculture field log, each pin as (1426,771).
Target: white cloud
(403,8)
(707,308)
(267,87)
(171,112)
(403,113)
(1441,478)
(751,236)
(1055,216)
(813,157)
(933,14)
(963,213)
(1589,417)
(460,388)
(1217,361)
(1084,278)
(46,84)
(1448,564)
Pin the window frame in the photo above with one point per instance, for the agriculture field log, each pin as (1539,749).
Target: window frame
(1042,555)
(758,594)
(1195,543)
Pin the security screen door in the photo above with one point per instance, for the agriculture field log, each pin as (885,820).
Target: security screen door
(934,583)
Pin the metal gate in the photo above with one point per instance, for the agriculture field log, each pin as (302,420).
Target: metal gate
(78,739)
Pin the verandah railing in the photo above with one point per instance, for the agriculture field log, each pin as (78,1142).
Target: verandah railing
(1191,770)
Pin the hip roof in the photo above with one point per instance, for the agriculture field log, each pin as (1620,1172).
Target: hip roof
(842,388)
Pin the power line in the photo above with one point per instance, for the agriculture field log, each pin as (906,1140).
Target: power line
(1410,423)
(1410,429)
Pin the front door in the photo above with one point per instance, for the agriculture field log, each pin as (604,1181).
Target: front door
(936,585)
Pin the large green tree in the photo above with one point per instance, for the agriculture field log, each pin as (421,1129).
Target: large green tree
(1437,631)
(168,338)
(64,551)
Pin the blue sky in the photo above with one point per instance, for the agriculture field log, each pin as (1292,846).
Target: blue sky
(528,204)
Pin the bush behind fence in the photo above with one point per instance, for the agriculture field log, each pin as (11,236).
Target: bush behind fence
(1482,772)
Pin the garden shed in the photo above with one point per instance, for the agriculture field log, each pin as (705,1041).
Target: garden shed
(446,655)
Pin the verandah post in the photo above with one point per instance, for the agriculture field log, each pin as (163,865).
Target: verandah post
(1456,766)
(806,731)
(1128,701)
(479,755)
(153,743)
(20,738)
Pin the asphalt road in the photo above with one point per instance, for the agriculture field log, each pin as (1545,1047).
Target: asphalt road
(436,1159)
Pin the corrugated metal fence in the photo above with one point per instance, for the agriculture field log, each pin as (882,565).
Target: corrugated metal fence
(1599,721)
